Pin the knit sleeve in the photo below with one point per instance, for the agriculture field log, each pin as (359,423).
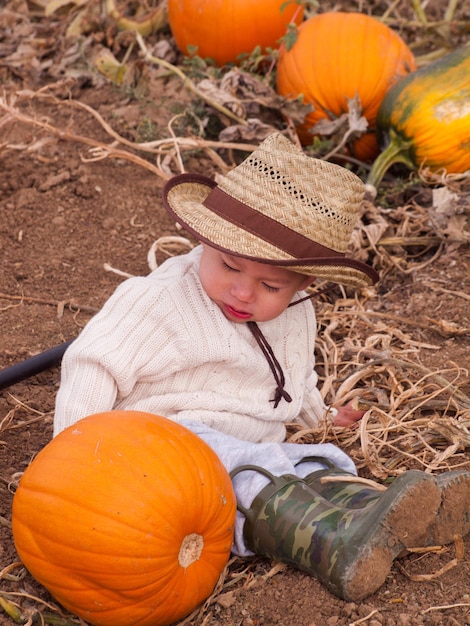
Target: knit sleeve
(136,326)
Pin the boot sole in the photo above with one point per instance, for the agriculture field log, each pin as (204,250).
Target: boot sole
(453,517)
(404,514)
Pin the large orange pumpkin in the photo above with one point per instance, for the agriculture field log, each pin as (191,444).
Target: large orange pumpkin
(224,29)
(337,56)
(126,518)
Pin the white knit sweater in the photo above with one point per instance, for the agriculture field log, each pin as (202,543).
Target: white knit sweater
(160,345)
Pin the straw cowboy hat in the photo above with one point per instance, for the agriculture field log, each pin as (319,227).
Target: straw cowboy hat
(278,206)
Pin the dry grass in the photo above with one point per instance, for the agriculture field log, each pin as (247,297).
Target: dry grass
(416,416)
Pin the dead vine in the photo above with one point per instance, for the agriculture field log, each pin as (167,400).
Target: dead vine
(165,150)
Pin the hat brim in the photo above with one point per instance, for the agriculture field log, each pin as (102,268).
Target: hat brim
(183,197)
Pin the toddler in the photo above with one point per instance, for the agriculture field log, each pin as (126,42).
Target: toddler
(222,340)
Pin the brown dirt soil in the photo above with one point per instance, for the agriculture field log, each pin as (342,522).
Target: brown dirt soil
(63,217)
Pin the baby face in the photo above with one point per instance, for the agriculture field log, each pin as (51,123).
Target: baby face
(248,291)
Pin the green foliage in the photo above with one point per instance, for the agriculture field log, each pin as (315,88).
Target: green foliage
(147,130)
(290,37)
(258,61)
(198,68)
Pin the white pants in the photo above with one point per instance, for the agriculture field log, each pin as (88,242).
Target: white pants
(277,458)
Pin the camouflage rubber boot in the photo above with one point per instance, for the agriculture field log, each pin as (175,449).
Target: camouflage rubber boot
(339,487)
(350,550)
(453,517)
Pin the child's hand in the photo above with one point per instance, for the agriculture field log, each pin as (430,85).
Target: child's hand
(348,415)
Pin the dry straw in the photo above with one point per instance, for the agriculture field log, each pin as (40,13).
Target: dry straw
(417,416)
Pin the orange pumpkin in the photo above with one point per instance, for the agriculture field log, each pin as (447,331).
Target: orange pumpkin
(224,29)
(126,518)
(337,56)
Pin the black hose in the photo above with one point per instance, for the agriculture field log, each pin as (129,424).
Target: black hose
(32,366)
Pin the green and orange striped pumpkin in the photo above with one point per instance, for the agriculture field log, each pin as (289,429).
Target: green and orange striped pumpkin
(424,120)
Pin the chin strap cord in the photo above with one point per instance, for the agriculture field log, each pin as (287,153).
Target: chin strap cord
(273,363)
(314,294)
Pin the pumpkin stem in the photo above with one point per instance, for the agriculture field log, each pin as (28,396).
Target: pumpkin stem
(397,151)
(190,550)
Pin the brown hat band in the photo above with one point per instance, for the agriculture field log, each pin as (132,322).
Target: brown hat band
(265,227)
(303,252)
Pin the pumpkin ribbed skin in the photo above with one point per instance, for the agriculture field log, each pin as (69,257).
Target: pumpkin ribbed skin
(337,56)
(424,120)
(110,514)
(224,29)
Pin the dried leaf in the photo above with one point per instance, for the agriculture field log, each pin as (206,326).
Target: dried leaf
(295,110)
(444,202)
(55,5)
(12,611)
(254,131)
(78,25)
(348,123)
(448,214)
(25,55)
(150,23)
(226,600)
(255,95)
(107,65)
(457,229)
(245,85)
(222,96)
(357,122)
